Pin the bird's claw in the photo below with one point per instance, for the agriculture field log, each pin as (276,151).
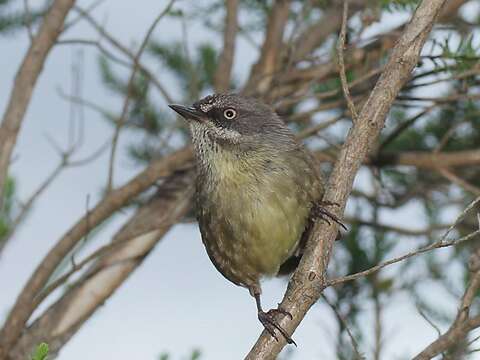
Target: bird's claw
(270,324)
(320,212)
(280,311)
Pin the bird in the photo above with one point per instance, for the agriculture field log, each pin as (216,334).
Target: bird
(257,192)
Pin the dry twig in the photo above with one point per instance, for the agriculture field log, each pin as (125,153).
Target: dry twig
(341,62)
(130,84)
(437,245)
(358,355)
(123,49)
(463,323)
(450,175)
(24,84)
(442,243)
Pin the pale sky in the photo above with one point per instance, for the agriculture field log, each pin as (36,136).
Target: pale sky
(176,300)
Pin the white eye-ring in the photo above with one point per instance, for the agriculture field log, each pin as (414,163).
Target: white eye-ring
(230,114)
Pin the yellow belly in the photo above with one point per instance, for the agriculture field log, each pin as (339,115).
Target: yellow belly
(252,222)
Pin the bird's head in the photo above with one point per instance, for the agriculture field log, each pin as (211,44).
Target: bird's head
(234,121)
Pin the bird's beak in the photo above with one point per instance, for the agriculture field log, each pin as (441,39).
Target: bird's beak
(188,113)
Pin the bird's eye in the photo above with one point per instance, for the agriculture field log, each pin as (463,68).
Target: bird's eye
(230,114)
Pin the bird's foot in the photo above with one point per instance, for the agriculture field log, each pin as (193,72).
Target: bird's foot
(270,323)
(320,212)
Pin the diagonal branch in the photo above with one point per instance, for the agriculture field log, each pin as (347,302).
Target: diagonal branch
(309,280)
(116,199)
(135,240)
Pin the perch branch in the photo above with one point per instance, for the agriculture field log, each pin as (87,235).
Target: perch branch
(309,280)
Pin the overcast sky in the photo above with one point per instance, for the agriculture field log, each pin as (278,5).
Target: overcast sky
(176,300)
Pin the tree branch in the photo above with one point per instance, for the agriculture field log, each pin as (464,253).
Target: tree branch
(436,245)
(223,73)
(309,279)
(263,71)
(430,160)
(463,323)
(25,81)
(341,63)
(135,241)
(116,199)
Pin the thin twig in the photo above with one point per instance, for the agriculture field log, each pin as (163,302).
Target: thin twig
(319,127)
(396,229)
(292,100)
(20,95)
(358,355)
(403,126)
(341,62)
(430,322)
(448,135)
(87,103)
(88,10)
(122,118)
(76,266)
(25,208)
(460,217)
(463,323)
(449,175)
(436,245)
(75,140)
(28,19)
(99,46)
(64,163)
(123,49)
(91,157)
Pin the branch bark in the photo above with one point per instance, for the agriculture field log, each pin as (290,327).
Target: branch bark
(25,303)
(309,279)
(223,73)
(262,72)
(25,81)
(137,238)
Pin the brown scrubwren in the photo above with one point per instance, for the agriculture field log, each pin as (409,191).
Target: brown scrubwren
(257,191)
